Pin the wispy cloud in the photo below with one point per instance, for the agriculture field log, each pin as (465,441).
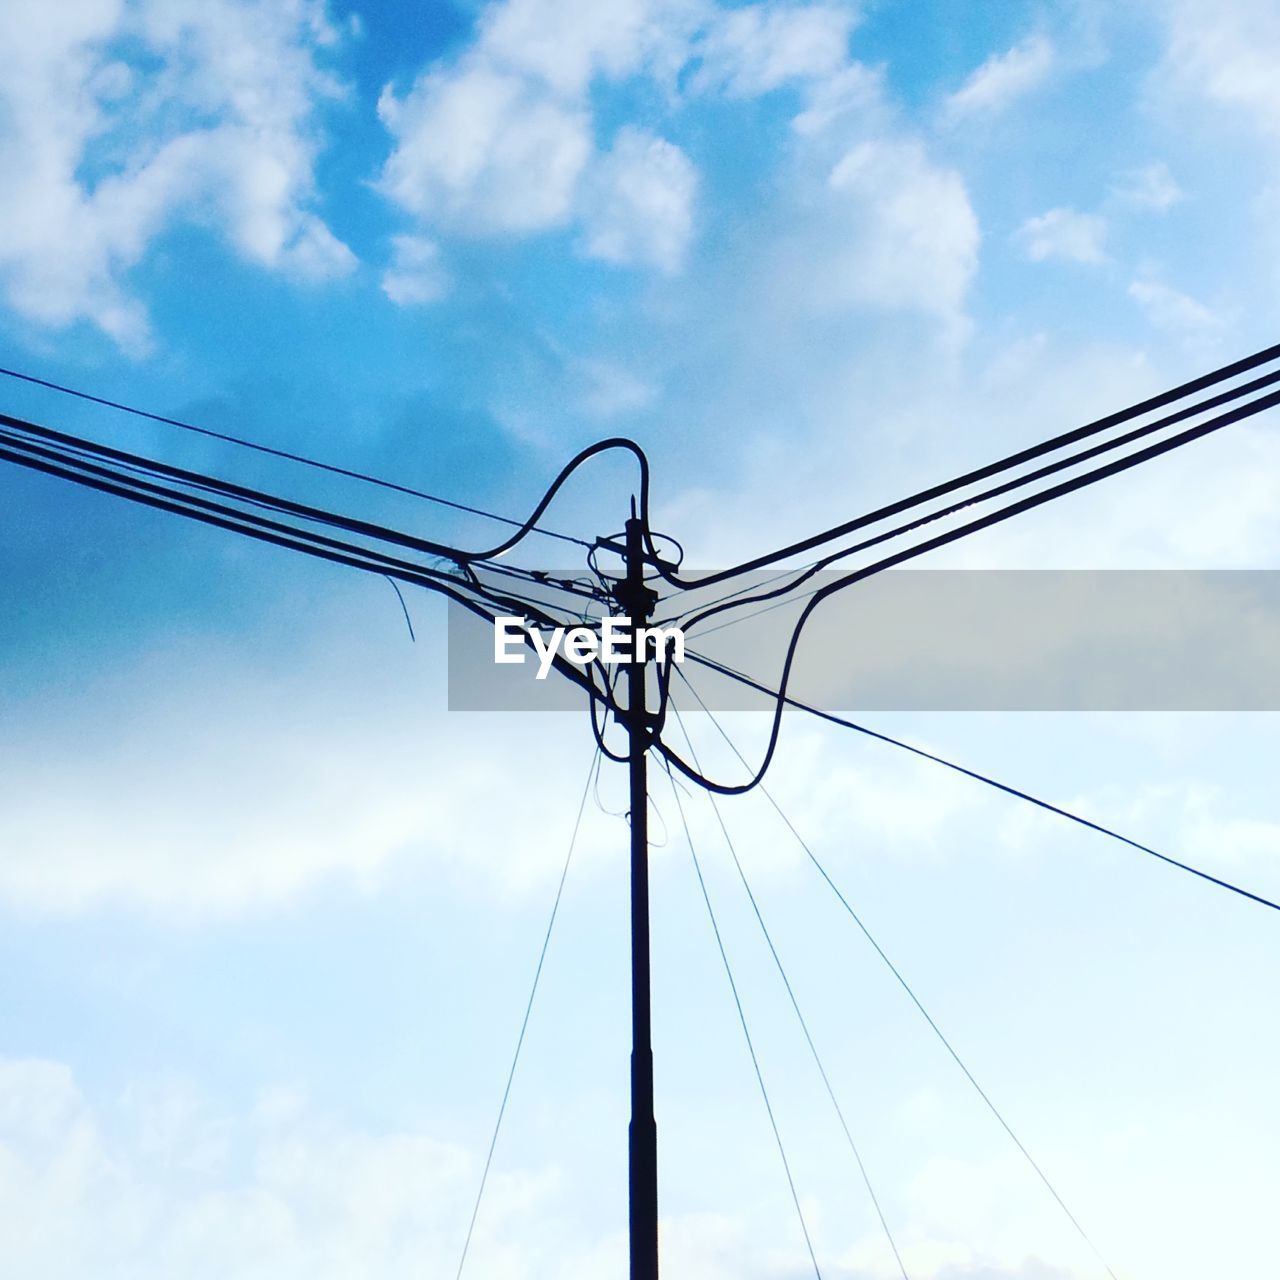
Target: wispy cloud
(1064,233)
(1169,308)
(915,235)
(1001,80)
(416,274)
(639,204)
(754,50)
(1151,187)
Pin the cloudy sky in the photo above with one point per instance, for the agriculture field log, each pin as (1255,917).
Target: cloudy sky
(269,913)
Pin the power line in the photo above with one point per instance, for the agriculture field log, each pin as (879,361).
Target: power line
(831,717)
(20,433)
(1195,385)
(989,520)
(795,1004)
(735,599)
(78,453)
(742,1019)
(115,480)
(906,986)
(528,1010)
(256,447)
(120,482)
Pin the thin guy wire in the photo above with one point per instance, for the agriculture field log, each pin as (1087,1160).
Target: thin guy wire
(742,1019)
(524,1025)
(906,986)
(795,1004)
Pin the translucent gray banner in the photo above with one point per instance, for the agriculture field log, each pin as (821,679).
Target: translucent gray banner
(912,640)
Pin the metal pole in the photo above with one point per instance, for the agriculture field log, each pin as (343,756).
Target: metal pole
(643,1146)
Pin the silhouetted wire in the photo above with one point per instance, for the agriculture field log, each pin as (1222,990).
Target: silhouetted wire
(275,533)
(285,454)
(831,717)
(906,986)
(795,1003)
(670,573)
(177,502)
(120,480)
(597,729)
(657,812)
(408,621)
(992,518)
(736,600)
(58,440)
(80,456)
(595,788)
(67,457)
(528,1010)
(1029,454)
(742,1019)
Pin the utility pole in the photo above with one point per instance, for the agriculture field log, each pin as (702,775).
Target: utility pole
(638,601)
(310,531)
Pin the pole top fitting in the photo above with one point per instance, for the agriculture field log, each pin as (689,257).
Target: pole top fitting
(637,600)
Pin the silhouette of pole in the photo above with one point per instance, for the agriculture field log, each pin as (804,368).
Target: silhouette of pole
(638,600)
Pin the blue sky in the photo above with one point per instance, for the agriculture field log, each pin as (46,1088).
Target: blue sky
(268,912)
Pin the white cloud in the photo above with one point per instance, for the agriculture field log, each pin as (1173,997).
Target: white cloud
(1222,68)
(912,236)
(500,139)
(416,274)
(1001,80)
(608,390)
(281,1192)
(639,206)
(264,803)
(855,91)
(1151,187)
(1185,819)
(878,803)
(567,43)
(1228,52)
(1210,839)
(1168,308)
(754,50)
(484,151)
(1064,233)
(164,1182)
(222,133)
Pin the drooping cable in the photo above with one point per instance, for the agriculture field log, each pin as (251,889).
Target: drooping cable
(408,621)
(795,1005)
(832,718)
(915,1000)
(742,1019)
(528,1010)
